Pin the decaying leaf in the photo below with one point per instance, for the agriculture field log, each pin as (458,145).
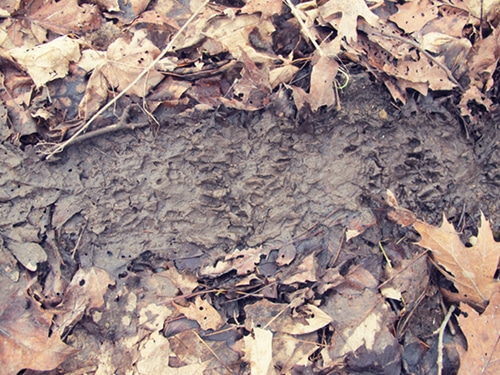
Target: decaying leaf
(25,339)
(86,291)
(278,317)
(66,16)
(322,91)
(125,58)
(472,270)
(483,339)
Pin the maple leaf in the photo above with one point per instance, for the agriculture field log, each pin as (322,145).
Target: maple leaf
(482,333)
(351,10)
(472,270)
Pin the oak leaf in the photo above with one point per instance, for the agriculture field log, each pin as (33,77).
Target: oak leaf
(482,333)
(351,10)
(472,270)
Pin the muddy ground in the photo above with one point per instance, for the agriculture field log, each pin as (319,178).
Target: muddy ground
(191,191)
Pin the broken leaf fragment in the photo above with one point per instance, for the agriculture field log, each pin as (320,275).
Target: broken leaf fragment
(482,332)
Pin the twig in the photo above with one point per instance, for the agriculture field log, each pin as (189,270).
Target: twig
(440,339)
(427,54)
(146,70)
(305,30)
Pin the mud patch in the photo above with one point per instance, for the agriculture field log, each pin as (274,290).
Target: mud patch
(196,190)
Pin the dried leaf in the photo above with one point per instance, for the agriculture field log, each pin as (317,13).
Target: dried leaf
(25,342)
(278,317)
(49,61)
(483,335)
(413,15)
(472,270)
(86,291)
(267,8)
(201,311)
(66,16)
(259,351)
(350,10)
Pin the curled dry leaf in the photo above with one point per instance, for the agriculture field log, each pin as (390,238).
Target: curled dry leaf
(472,270)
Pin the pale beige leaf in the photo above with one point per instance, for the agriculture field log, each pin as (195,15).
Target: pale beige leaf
(259,351)
(471,269)
(483,335)
(350,10)
(126,58)
(48,61)
(201,311)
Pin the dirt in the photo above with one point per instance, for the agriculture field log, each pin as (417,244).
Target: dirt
(193,190)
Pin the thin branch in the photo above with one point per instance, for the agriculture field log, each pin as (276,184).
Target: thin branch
(440,339)
(62,146)
(427,54)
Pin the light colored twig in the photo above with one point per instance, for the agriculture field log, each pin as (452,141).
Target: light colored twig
(440,339)
(63,145)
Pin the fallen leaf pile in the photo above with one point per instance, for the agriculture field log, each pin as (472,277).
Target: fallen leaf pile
(472,270)
(61,55)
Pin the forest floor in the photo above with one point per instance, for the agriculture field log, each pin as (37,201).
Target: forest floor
(218,239)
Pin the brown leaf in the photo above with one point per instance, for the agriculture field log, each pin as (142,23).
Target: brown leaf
(472,270)
(201,311)
(124,60)
(483,335)
(66,16)
(24,333)
(86,291)
(413,15)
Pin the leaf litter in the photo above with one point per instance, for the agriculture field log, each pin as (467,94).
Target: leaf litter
(294,313)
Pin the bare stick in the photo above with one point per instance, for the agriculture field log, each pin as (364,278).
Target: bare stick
(146,70)
(440,339)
